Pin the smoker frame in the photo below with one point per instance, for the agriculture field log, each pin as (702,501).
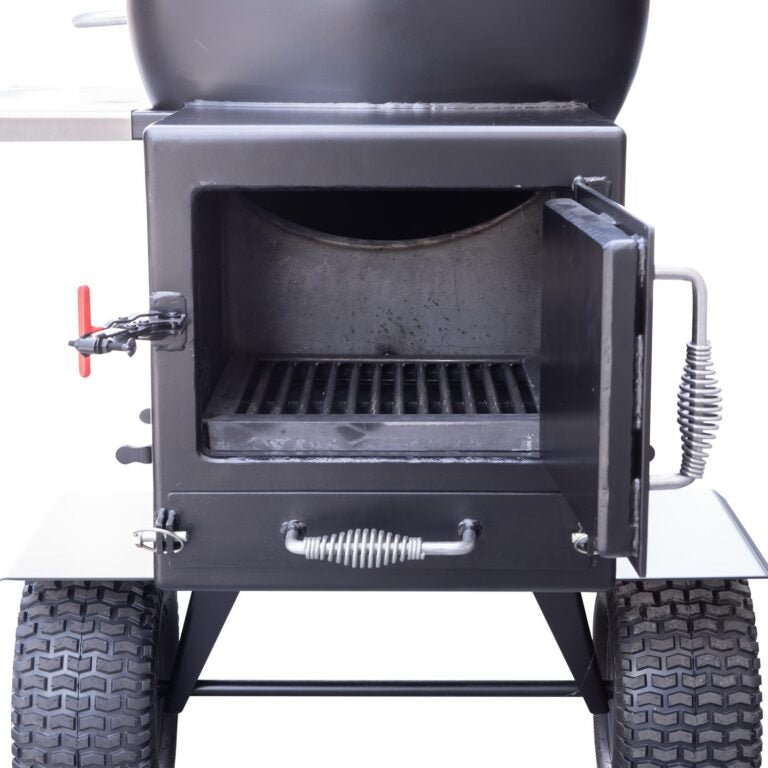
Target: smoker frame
(586,145)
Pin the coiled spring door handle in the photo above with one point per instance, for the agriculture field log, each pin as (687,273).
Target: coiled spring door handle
(699,401)
(371,548)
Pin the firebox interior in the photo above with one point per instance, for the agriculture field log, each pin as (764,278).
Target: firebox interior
(338,323)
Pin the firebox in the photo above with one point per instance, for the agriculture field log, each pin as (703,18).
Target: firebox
(430,319)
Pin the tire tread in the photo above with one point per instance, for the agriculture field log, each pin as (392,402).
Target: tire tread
(687,687)
(84,682)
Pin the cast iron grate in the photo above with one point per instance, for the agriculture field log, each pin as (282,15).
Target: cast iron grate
(373,406)
(372,387)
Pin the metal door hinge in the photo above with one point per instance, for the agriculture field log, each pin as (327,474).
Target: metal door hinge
(165,322)
(601,184)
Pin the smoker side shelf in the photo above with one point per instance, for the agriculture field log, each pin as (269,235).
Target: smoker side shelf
(67,114)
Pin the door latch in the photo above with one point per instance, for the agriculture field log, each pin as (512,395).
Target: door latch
(165,319)
(165,538)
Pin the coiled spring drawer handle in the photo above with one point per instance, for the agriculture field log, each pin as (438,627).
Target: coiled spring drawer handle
(371,548)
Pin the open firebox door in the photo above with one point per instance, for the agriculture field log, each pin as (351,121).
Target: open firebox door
(595,379)
(597,308)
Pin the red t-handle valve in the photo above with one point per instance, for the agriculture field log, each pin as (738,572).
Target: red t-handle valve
(84,326)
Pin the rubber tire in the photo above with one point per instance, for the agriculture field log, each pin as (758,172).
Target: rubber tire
(683,658)
(89,657)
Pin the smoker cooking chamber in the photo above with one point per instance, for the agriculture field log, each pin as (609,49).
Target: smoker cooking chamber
(497,51)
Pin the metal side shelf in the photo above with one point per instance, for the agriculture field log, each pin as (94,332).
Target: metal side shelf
(68,114)
(693,534)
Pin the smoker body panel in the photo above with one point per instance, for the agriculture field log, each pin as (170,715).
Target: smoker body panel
(206,153)
(387,146)
(235,542)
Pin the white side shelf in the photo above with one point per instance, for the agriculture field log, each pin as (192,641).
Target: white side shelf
(87,536)
(67,114)
(694,534)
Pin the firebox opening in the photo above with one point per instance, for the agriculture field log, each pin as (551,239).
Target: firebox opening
(346,345)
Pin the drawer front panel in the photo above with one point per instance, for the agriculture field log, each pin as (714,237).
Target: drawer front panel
(235,541)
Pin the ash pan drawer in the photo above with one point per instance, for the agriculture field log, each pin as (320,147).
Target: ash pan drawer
(238,540)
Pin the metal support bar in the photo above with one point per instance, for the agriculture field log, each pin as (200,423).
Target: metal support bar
(456,688)
(567,619)
(205,618)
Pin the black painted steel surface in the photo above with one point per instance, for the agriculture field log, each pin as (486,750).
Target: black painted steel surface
(389,50)
(432,688)
(234,508)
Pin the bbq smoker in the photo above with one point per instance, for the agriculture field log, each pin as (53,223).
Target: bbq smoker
(401,330)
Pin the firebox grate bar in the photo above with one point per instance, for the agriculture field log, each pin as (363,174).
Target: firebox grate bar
(278,407)
(398,396)
(264,374)
(470,406)
(374,387)
(491,396)
(306,389)
(330,390)
(375,406)
(421,387)
(515,396)
(352,387)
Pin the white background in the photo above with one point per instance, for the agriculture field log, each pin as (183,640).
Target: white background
(70,213)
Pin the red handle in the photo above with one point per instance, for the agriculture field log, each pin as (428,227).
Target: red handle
(85,366)
(84,326)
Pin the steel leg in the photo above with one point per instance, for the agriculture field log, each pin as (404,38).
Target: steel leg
(567,619)
(205,618)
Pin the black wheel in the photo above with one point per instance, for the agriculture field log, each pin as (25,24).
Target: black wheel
(89,656)
(683,659)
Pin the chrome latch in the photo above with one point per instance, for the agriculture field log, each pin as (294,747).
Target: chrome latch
(165,538)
